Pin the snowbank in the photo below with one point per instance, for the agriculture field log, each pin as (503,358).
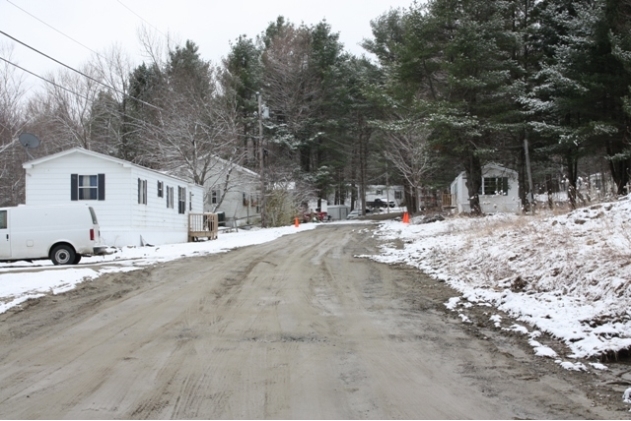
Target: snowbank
(568,275)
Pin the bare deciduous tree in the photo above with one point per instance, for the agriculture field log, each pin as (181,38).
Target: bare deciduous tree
(408,150)
(11,124)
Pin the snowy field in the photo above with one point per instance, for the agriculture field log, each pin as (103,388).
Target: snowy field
(568,275)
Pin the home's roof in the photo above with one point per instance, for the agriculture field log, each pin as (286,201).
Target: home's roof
(234,165)
(82,151)
(497,167)
(486,167)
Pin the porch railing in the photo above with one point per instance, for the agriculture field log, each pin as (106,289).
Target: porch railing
(202,225)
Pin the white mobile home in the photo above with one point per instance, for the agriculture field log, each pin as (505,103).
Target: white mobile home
(499,192)
(134,205)
(234,191)
(384,193)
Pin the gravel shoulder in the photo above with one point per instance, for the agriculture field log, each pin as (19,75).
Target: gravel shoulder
(295,328)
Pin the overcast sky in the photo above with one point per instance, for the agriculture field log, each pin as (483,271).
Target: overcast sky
(211,24)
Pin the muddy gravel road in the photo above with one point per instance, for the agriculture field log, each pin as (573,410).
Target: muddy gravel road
(296,328)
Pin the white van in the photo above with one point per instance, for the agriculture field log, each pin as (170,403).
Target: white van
(62,233)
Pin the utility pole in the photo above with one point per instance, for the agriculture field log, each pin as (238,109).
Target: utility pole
(262,160)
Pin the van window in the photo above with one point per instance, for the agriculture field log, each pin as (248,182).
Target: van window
(94,220)
(3,220)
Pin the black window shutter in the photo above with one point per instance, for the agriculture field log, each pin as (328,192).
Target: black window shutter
(101,186)
(74,186)
(139,187)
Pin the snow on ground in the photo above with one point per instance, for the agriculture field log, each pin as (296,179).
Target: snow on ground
(567,275)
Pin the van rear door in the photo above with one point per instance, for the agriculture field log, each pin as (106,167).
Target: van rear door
(5,239)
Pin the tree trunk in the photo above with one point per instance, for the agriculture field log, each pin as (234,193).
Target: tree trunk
(572,169)
(521,174)
(410,198)
(473,169)
(619,168)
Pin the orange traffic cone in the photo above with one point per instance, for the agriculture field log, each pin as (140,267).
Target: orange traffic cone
(296,223)
(406,218)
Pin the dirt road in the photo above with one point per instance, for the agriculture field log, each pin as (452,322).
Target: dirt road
(296,328)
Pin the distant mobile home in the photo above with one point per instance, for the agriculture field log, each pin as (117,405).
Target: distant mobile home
(233,190)
(134,205)
(499,192)
(384,193)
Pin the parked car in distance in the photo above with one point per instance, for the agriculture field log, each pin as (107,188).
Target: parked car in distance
(355,214)
(62,233)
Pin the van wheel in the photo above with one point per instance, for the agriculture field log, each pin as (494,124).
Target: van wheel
(63,255)
(77,259)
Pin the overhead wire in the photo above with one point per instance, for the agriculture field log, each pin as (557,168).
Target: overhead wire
(122,114)
(43,78)
(80,72)
(141,18)
(56,30)
(119,113)
(82,45)
(115,111)
(77,71)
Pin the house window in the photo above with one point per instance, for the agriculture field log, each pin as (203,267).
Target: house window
(214,194)
(495,185)
(181,199)
(87,187)
(170,197)
(398,195)
(142,192)
(160,189)
(379,192)
(3,220)
(246,202)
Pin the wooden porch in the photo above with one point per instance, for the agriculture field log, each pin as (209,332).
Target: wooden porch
(202,225)
(449,201)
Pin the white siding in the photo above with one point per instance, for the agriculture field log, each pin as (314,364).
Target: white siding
(489,203)
(157,223)
(236,212)
(122,220)
(501,203)
(49,182)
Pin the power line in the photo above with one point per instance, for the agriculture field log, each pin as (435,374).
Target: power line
(120,113)
(56,30)
(79,72)
(44,79)
(55,60)
(141,18)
